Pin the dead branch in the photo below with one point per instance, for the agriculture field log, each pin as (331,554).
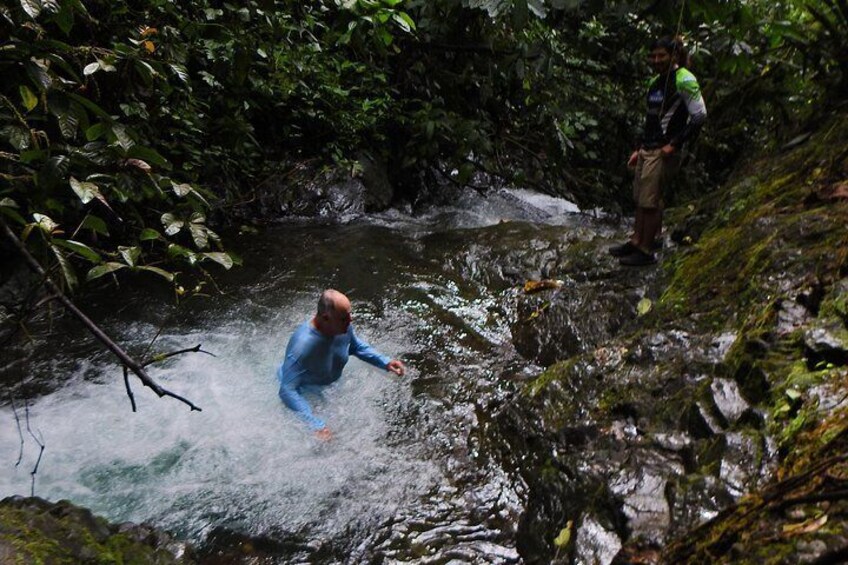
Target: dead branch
(163,356)
(40,442)
(122,355)
(20,432)
(129,388)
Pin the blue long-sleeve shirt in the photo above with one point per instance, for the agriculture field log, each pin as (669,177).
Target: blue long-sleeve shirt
(315,359)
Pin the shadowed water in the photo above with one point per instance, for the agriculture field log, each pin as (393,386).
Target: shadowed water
(406,475)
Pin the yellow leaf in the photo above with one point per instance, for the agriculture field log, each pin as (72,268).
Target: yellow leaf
(805,527)
(564,535)
(644,306)
(147,44)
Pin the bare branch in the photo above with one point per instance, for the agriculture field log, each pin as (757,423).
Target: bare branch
(129,389)
(40,442)
(163,356)
(20,432)
(122,355)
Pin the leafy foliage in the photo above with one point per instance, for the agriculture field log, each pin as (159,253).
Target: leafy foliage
(131,125)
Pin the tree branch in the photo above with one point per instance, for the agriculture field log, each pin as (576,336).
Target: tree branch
(126,360)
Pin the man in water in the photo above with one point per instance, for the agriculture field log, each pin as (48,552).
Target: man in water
(318,351)
(675,114)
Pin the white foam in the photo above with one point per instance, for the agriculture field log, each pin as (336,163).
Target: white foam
(245,461)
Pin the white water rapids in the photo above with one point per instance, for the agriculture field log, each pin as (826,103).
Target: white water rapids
(245,462)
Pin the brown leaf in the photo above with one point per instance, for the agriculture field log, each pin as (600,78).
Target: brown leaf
(138,164)
(536,286)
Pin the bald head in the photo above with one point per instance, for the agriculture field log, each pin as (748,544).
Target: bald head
(334,313)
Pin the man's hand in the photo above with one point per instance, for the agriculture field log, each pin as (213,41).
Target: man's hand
(668,150)
(324,434)
(396,367)
(631,162)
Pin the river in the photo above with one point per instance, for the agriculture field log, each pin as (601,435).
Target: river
(408,475)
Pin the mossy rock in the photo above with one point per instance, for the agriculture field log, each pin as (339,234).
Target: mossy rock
(33,530)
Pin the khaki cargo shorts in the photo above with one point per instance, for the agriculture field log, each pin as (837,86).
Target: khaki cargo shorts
(654,175)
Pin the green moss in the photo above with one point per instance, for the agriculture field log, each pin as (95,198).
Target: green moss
(41,534)
(556,372)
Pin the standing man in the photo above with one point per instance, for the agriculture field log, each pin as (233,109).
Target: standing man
(318,351)
(676,112)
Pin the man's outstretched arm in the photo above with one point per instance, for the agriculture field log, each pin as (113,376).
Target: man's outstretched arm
(362,350)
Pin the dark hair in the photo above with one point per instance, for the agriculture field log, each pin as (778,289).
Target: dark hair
(674,45)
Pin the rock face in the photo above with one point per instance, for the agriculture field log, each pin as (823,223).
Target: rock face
(33,530)
(649,422)
(303,191)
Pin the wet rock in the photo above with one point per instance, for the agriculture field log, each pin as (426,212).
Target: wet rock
(828,341)
(596,544)
(741,462)
(554,326)
(810,551)
(718,348)
(62,532)
(641,486)
(696,499)
(675,441)
(728,399)
(790,316)
(375,179)
(700,422)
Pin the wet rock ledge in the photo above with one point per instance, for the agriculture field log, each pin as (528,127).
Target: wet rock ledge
(696,412)
(33,530)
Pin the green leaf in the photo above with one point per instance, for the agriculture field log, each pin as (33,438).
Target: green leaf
(80,249)
(13,215)
(31,7)
(793,394)
(181,72)
(178,251)
(95,224)
(644,306)
(149,234)
(54,171)
(68,124)
(86,191)
(105,269)
(8,203)
(171,224)
(17,136)
(149,155)
(121,137)
(67,270)
(404,21)
(91,106)
(45,223)
(161,272)
(181,189)
(64,18)
(96,131)
(222,259)
(91,68)
(199,234)
(49,6)
(32,155)
(130,255)
(29,99)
